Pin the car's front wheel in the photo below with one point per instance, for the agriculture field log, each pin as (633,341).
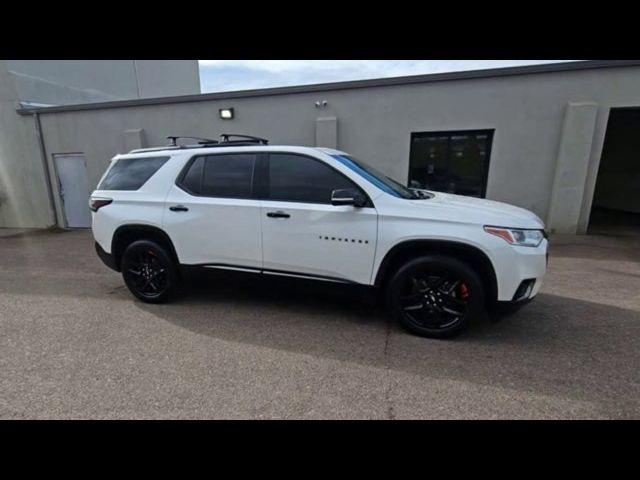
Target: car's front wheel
(149,271)
(435,296)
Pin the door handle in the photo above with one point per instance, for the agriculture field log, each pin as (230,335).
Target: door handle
(178,208)
(278,214)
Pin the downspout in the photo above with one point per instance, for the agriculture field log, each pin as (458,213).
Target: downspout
(135,72)
(45,165)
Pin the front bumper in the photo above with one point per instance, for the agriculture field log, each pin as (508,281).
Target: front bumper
(520,271)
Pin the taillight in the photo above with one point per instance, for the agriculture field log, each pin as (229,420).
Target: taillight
(96,203)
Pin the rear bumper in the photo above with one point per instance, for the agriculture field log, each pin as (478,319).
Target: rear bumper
(106,258)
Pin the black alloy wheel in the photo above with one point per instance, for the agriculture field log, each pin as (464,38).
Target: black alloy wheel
(434,301)
(149,271)
(435,296)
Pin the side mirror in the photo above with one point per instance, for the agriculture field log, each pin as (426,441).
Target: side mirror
(348,196)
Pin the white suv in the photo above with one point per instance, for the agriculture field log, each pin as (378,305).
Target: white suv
(316,213)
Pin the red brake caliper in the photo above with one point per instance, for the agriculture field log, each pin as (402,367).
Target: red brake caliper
(463,291)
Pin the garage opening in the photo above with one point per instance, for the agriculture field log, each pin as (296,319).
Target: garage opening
(616,200)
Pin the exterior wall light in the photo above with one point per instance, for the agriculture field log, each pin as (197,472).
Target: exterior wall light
(226,113)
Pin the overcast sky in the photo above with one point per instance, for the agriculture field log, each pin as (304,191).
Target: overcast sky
(225,75)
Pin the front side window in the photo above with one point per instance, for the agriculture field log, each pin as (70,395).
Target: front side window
(375,177)
(131,173)
(225,176)
(295,178)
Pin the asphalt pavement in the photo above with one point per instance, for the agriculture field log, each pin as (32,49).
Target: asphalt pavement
(75,344)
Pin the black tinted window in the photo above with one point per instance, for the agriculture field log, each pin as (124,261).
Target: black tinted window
(131,173)
(192,181)
(228,176)
(301,179)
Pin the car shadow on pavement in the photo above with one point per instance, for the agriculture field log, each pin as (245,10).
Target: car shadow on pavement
(288,296)
(554,346)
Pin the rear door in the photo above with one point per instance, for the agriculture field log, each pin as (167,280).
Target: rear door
(302,233)
(211,212)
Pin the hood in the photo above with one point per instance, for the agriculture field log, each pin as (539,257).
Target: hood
(480,211)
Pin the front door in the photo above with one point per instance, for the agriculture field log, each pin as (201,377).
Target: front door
(302,233)
(74,189)
(211,213)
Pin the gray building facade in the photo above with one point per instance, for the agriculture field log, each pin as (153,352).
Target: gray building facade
(25,195)
(64,82)
(530,136)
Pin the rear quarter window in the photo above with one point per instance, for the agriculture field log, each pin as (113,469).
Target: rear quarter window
(131,173)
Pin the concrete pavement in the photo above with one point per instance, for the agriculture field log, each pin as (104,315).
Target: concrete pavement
(75,344)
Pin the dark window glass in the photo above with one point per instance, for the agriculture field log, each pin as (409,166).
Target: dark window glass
(376,177)
(467,163)
(192,181)
(131,173)
(295,178)
(227,175)
(454,162)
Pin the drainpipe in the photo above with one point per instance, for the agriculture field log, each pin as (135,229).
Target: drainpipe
(45,165)
(135,72)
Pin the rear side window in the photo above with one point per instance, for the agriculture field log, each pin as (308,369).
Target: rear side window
(295,178)
(131,173)
(192,179)
(224,176)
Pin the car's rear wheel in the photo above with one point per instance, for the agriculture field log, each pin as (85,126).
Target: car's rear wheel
(435,296)
(149,271)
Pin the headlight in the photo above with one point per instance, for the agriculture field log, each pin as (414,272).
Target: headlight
(517,236)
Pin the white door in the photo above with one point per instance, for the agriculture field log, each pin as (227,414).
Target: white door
(74,189)
(211,214)
(302,233)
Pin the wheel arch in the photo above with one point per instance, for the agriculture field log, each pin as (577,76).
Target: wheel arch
(125,235)
(406,250)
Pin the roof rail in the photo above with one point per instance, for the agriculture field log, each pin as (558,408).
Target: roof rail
(155,149)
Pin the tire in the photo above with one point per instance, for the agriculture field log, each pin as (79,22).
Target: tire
(149,272)
(435,296)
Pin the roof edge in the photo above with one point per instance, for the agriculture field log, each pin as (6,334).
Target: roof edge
(346,85)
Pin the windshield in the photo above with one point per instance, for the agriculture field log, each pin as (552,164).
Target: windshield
(376,177)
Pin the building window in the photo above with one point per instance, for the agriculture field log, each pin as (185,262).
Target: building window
(453,162)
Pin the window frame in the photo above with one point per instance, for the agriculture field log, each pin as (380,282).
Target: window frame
(194,158)
(490,132)
(263,179)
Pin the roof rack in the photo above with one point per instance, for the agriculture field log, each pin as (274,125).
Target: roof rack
(242,141)
(201,141)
